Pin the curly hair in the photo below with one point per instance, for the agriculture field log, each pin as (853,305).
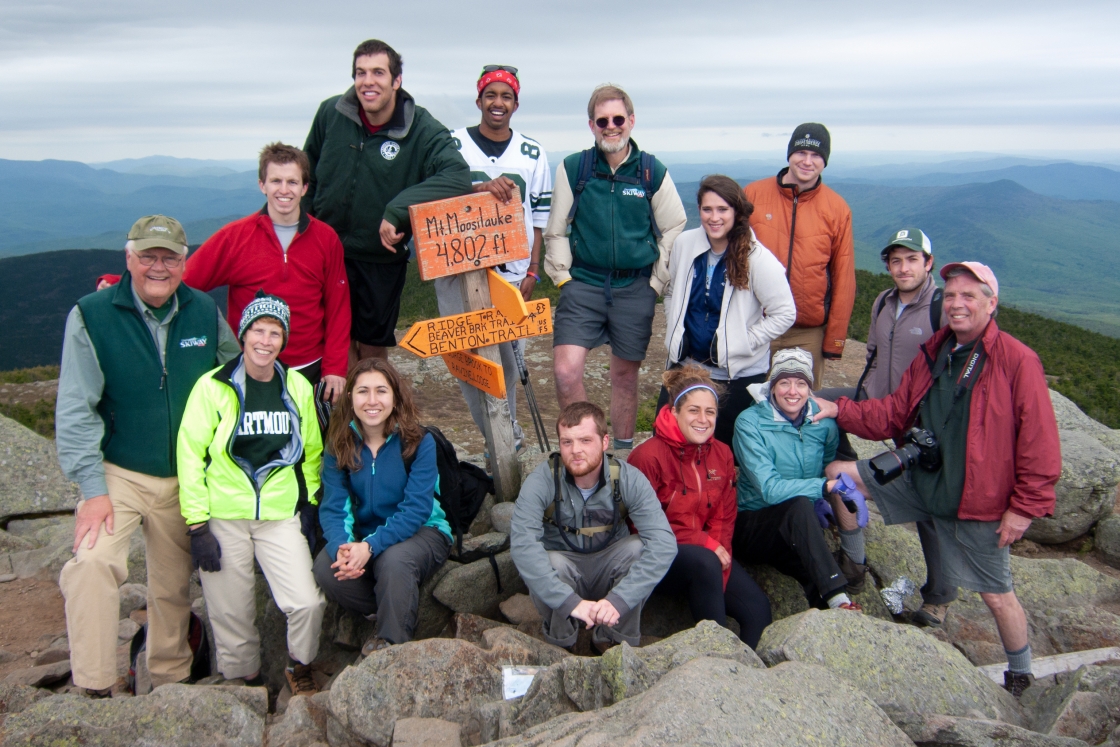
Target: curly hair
(404,419)
(739,237)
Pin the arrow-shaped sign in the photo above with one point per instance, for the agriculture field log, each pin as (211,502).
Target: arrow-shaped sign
(475,329)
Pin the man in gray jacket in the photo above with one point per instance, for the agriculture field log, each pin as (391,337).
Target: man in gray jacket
(902,318)
(571,544)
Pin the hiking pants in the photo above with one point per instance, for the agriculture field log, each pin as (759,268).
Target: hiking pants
(591,576)
(789,538)
(281,551)
(89,583)
(391,584)
(697,573)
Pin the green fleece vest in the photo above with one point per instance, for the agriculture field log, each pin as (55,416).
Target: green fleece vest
(611,229)
(143,403)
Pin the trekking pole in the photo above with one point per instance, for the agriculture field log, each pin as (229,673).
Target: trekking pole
(531,398)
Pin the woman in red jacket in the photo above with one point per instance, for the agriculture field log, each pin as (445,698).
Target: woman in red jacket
(694,477)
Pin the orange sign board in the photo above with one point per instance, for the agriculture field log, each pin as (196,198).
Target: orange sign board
(475,329)
(471,232)
(506,298)
(478,372)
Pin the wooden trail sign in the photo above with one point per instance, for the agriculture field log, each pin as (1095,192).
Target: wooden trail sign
(466,233)
(478,372)
(506,298)
(475,329)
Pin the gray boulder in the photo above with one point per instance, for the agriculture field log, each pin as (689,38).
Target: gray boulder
(133,597)
(1106,539)
(473,587)
(933,730)
(1070,417)
(304,723)
(1085,492)
(31,481)
(40,676)
(715,701)
(181,715)
(481,546)
(45,546)
(15,697)
(899,667)
(1084,704)
(501,515)
(426,732)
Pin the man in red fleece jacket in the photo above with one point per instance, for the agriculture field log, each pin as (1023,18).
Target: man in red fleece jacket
(291,255)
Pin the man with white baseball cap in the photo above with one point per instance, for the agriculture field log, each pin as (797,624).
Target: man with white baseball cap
(986,458)
(130,355)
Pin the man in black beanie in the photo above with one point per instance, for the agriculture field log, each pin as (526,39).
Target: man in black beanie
(808,227)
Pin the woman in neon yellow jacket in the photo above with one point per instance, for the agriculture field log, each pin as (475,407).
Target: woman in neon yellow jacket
(249,451)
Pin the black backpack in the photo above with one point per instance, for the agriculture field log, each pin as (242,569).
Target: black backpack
(197,639)
(462,486)
(935,304)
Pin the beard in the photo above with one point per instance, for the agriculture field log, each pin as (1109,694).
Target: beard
(594,462)
(616,147)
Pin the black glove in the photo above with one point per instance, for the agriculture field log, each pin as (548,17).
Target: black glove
(205,550)
(309,522)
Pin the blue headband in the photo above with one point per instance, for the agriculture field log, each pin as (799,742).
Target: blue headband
(695,386)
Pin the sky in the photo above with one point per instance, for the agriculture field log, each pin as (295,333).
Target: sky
(97,81)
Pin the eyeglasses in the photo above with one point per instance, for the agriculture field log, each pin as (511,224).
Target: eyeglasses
(603,122)
(495,68)
(149,260)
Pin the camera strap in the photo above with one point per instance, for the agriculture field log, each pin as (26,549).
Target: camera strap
(967,377)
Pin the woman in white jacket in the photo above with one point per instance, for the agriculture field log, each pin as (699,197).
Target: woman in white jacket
(727,298)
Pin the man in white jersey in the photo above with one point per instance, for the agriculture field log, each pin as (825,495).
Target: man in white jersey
(500,159)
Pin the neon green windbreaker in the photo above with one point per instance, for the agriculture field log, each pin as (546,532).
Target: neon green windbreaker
(212,483)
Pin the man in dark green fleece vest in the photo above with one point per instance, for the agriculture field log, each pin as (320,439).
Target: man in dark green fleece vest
(609,255)
(130,356)
(373,153)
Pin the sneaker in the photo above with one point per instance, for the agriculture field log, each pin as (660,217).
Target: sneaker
(299,680)
(1016,683)
(374,644)
(930,615)
(856,573)
(853,606)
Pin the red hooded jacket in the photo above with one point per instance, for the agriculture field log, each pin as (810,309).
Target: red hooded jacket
(695,484)
(1013,458)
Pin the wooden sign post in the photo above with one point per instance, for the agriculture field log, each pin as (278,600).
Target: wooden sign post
(465,236)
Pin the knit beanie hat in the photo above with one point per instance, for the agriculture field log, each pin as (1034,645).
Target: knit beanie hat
(796,362)
(810,136)
(265,305)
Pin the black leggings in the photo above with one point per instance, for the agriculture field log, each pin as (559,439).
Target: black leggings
(736,398)
(696,572)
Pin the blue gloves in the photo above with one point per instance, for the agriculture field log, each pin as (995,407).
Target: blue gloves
(824,513)
(853,499)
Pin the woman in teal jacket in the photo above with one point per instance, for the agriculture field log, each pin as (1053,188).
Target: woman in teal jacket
(249,451)
(782,490)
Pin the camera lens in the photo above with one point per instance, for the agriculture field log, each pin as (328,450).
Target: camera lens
(889,465)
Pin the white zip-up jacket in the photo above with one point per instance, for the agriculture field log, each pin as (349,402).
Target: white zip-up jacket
(749,319)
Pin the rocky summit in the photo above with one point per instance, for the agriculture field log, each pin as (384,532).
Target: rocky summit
(818,677)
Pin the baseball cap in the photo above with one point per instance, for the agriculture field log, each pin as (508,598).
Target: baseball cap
(914,239)
(792,362)
(158,231)
(981,272)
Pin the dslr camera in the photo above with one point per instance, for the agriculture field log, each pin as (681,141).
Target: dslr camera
(920,448)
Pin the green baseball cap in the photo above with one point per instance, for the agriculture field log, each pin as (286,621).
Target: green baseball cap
(158,231)
(913,239)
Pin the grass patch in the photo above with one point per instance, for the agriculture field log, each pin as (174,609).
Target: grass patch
(647,413)
(28,375)
(39,417)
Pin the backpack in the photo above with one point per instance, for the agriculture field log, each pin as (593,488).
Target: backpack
(935,304)
(462,486)
(645,178)
(618,508)
(196,638)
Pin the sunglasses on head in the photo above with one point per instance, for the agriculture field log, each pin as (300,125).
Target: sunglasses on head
(603,122)
(495,68)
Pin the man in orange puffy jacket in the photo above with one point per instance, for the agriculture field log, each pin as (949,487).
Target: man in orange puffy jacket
(808,227)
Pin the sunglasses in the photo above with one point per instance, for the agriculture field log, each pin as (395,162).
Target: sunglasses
(495,68)
(603,122)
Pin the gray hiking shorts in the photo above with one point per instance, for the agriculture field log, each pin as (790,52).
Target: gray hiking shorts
(583,318)
(970,553)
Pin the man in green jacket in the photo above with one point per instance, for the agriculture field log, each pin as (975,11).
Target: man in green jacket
(130,355)
(615,215)
(373,153)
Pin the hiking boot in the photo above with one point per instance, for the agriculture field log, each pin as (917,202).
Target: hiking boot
(930,615)
(299,680)
(99,694)
(852,606)
(856,573)
(374,644)
(1016,683)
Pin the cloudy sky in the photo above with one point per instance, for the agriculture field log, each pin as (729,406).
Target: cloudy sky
(96,81)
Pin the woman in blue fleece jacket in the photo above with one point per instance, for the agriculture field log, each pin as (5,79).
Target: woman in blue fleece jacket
(385,530)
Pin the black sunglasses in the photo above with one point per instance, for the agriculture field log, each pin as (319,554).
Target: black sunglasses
(495,68)
(603,122)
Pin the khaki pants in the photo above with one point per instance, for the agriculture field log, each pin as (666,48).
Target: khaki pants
(90,580)
(282,552)
(806,338)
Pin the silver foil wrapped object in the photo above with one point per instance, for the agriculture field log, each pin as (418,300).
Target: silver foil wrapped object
(896,592)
